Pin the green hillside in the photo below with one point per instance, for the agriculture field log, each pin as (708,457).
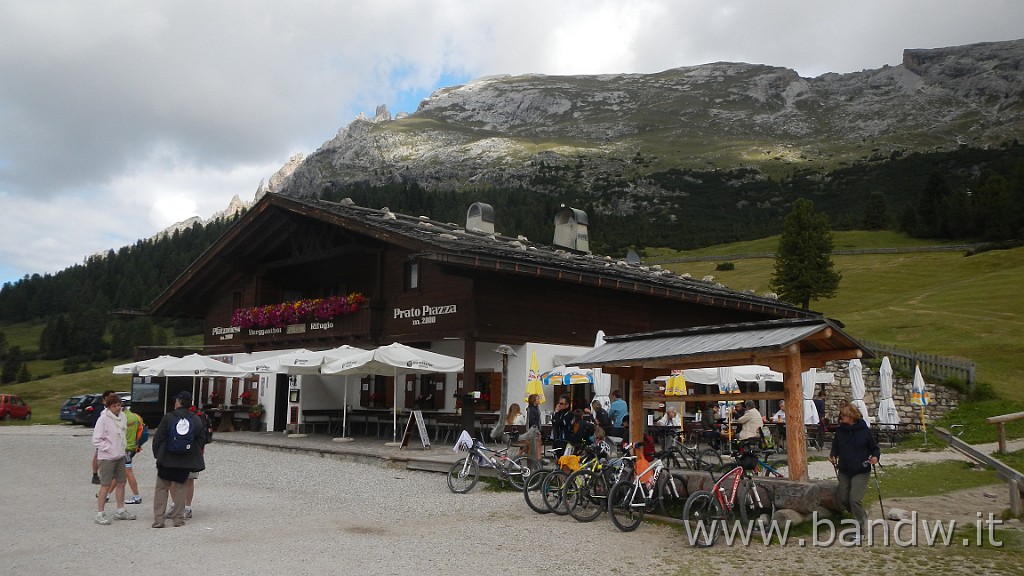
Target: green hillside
(935,302)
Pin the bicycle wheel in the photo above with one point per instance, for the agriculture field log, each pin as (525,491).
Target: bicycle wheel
(521,469)
(533,492)
(626,506)
(704,518)
(709,460)
(463,475)
(551,489)
(756,504)
(590,495)
(672,495)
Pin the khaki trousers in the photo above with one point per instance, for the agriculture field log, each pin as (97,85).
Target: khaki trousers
(178,492)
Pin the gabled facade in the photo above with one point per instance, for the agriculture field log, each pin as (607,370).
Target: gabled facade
(435,285)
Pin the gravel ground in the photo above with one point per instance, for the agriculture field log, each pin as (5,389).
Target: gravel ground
(272,512)
(276,513)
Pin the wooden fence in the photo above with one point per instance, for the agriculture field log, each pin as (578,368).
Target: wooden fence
(932,365)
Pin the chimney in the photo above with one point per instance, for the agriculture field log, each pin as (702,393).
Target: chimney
(480,216)
(571,230)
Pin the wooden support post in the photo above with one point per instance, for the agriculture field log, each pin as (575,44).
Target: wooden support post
(1001,431)
(636,405)
(796,432)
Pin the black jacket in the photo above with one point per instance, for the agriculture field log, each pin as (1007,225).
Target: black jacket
(192,460)
(532,417)
(853,445)
(602,418)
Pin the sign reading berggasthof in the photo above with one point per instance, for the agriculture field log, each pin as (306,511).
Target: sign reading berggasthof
(425,314)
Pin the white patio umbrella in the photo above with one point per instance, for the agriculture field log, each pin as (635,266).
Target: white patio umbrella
(726,380)
(391,360)
(857,389)
(194,365)
(887,413)
(134,368)
(807,383)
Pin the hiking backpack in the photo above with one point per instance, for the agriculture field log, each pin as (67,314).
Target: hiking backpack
(181,438)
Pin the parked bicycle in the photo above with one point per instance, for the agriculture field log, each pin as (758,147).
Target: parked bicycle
(538,490)
(649,490)
(465,473)
(585,491)
(735,494)
(678,455)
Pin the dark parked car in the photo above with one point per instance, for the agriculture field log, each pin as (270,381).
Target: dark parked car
(89,410)
(70,409)
(14,407)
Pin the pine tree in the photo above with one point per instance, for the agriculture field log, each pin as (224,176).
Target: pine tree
(803,264)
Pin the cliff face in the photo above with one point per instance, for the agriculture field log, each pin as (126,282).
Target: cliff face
(513,131)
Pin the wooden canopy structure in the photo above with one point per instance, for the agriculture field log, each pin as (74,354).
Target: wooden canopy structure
(789,346)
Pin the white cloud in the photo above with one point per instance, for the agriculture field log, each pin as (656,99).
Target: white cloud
(124,116)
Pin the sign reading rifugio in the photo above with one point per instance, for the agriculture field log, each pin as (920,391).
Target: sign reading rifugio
(425,314)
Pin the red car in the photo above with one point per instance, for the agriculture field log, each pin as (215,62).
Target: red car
(14,407)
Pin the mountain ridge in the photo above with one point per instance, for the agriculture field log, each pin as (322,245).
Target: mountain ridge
(515,130)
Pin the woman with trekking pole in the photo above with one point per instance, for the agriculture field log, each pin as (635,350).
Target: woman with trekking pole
(854,453)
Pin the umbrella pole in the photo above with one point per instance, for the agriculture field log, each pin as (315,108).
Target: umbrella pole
(344,409)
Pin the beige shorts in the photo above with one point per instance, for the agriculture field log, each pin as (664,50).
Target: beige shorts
(110,470)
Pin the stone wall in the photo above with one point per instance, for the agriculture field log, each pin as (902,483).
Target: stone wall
(943,399)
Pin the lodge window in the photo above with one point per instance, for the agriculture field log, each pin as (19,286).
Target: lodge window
(412,275)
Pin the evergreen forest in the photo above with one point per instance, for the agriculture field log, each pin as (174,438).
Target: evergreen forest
(970,195)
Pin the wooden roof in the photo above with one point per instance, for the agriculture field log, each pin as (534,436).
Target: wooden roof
(817,340)
(279,227)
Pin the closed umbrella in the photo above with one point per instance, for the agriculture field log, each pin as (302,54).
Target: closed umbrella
(857,389)
(887,413)
(533,383)
(807,383)
(602,381)
(391,360)
(919,397)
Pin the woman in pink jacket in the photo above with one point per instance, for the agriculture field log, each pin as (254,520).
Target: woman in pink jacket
(108,437)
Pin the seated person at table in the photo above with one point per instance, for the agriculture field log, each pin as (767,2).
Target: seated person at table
(750,423)
(780,416)
(617,412)
(582,431)
(708,419)
(600,415)
(515,417)
(670,418)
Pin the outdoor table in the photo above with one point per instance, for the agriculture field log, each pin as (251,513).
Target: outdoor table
(227,419)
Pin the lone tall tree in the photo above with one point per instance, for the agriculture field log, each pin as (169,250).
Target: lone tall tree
(803,263)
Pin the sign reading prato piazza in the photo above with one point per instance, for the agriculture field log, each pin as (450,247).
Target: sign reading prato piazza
(425,314)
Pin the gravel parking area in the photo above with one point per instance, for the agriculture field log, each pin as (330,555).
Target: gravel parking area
(267,511)
(272,512)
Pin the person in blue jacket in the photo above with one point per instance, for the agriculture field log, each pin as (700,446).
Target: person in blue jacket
(854,452)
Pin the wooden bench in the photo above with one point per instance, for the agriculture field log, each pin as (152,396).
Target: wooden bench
(314,418)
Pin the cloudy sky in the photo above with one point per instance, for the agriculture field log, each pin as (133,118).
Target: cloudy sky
(120,118)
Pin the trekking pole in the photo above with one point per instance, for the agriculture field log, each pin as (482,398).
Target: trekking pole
(878,487)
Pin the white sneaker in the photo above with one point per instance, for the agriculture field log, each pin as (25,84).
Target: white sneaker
(126,515)
(188,513)
(101,518)
(134,500)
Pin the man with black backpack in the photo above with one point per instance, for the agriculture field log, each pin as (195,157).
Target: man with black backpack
(177,447)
